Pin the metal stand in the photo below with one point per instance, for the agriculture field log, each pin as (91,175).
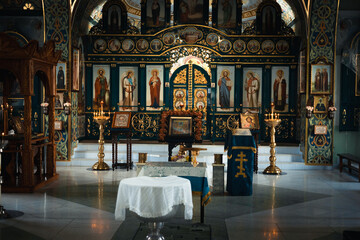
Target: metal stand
(155,228)
(272,122)
(101,165)
(101,118)
(115,136)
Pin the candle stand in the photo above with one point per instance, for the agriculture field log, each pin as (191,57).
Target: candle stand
(101,118)
(272,120)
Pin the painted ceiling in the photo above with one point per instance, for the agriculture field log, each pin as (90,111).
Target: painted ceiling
(249,11)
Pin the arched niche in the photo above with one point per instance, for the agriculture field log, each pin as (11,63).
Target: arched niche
(268,18)
(25,63)
(115,17)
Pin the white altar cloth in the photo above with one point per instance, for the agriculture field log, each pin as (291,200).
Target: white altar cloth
(153,197)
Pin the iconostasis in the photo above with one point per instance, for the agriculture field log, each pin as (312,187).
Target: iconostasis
(188,63)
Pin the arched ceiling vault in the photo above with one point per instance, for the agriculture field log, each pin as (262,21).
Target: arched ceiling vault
(82,10)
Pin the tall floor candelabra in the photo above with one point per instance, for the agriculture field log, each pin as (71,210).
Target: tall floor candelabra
(272,120)
(101,118)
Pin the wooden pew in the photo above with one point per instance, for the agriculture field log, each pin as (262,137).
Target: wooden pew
(350,159)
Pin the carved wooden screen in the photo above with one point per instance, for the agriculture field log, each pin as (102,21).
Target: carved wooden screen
(189,86)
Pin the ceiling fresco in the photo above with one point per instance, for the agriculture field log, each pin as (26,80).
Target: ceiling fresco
(249,11)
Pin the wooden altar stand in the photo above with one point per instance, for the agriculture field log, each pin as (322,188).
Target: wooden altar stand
(115,134)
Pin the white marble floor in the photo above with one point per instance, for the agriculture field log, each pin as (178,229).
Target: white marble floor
(301,204)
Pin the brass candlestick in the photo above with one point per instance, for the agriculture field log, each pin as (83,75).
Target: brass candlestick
(101,118)
(272,120)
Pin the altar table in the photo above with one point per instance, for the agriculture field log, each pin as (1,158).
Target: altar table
(153,197)
(197,176)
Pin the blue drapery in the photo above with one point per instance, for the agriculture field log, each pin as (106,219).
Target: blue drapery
(200,184)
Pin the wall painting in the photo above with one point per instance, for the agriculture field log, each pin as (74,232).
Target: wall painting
(61,76)
(252,80)
(280,88)
(225,88)
(154,87)
(128,93)
(101,86)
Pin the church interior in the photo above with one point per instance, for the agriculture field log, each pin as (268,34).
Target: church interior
(250,106)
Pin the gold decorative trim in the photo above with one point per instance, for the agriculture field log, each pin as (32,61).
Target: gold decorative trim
(258,63)
(44,19)
(357,72)
(244,148)
(343,120)
(200,26)
(199,77)
(190,86)
(141,121)
(181,77)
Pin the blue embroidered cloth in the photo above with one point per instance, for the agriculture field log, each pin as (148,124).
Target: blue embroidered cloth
(241,152)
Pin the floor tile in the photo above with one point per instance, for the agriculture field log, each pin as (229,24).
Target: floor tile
(300,204)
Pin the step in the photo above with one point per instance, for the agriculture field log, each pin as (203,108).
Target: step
(288,157)
(280,150)
(293,166)
(281,158)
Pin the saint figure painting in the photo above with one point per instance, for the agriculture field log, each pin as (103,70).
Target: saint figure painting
(128,88)
(321,79)
(154,76)
(252,89)
(280,88)
(60,76)
(225,89)
(101,76)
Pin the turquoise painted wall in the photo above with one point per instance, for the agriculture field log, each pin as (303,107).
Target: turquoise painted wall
(344,141)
